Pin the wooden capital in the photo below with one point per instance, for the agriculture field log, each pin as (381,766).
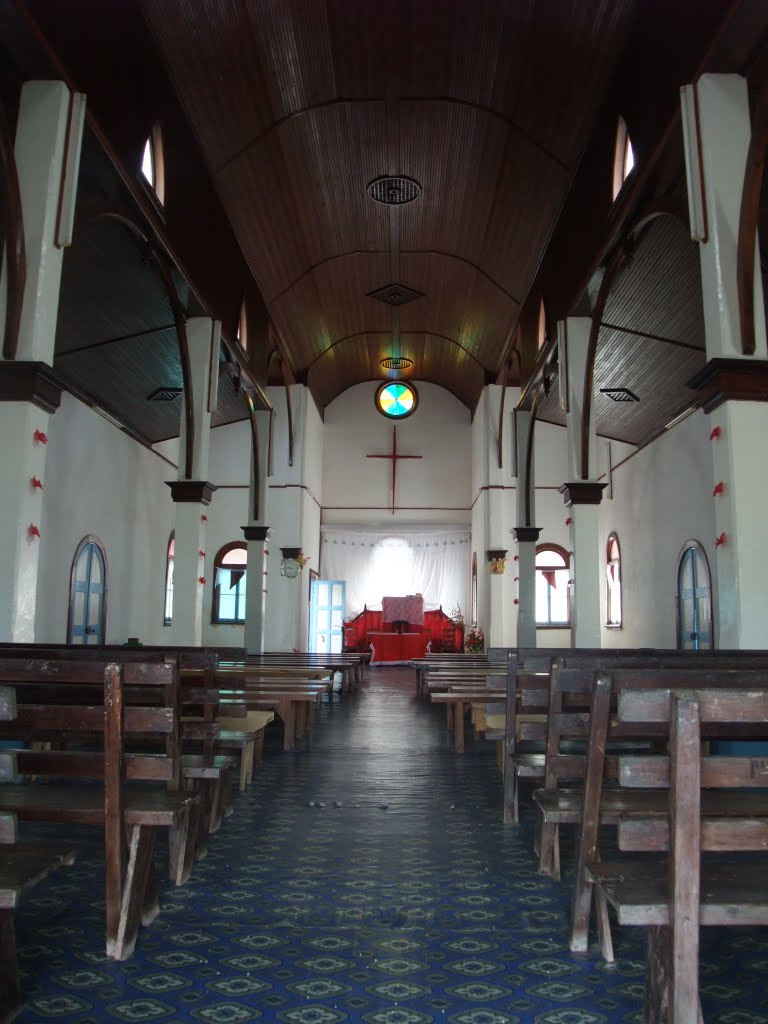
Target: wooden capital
(192,490)
(582,492)
(30,382)
(290,552)
(523,534)
(728,380)
(255,532)
(493,553)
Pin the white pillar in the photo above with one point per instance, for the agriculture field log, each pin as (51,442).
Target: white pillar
(193,496)
(732,386)
(525,533)
(582,494)
(257,535)
(47,170)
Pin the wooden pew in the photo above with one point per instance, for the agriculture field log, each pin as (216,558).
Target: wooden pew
(86,700)
(527,691)
(675,896)
(22,866)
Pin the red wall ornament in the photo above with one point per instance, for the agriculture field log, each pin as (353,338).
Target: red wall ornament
(33,531)
(201,553)
(516,559)
(716,432)
(719,488)
(515,601)
(201,579)
(568,521)
(203,518)
(36,484)
(40,437)
(720,540)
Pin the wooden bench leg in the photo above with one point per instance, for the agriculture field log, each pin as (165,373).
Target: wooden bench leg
(286,712)
(10,986)
(182,841)
(549,850)
(244,767)
(140,862)
(511,812)
(258,753)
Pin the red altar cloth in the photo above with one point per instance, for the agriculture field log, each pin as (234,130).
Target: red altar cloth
(397,648)
(403,609)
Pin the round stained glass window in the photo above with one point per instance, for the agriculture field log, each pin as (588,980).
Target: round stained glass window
(396,400)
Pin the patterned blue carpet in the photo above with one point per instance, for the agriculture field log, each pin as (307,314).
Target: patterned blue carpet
(398,898)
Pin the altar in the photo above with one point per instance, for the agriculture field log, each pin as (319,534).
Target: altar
(397,648)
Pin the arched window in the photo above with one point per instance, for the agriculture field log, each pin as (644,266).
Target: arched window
(242,328)
(694,599)
(613,580)
(169,560)
(541,335)
(152,163)
(229,571)
(552,574)
(624,157)
(88,593)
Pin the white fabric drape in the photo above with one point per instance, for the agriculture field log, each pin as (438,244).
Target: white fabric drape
(393,563)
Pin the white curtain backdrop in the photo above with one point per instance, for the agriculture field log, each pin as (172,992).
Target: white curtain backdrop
(393,563)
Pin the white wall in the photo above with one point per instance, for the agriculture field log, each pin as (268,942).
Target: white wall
(437,488)
(662,498)
(101,482)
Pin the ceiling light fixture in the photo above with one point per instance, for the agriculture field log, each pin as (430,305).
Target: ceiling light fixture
(619,394)
(396,363)
(394,190)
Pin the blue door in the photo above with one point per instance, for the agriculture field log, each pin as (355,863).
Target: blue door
(326,616)
(88,592)
(694,601)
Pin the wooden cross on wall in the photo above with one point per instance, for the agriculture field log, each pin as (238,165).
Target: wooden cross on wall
(394,456)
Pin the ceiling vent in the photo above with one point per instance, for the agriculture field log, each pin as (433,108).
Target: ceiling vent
(164,394)
(620,394)
(395,294)
(394,190)
(396,363)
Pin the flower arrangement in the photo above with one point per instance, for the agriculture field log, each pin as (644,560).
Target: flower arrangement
(497,566)
(302,559)
(474,641)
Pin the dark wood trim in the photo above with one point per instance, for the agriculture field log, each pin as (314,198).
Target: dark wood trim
(192,490)
(12,234)
(731,380)
(529,459)
(89,538)
(549,546)
(295,487)
(30,382)
(526,534)
(254,456)
(290,419)
(493,553)
(290,552)
(255,532)
(748,218)
(582,492)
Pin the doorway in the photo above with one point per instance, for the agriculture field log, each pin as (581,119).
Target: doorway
(88,594)
(694,600)
(326,616)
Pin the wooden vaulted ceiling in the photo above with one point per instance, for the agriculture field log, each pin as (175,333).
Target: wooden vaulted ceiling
(298,105)
(276,116)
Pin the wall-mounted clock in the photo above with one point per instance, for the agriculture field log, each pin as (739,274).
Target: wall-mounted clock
(290,567)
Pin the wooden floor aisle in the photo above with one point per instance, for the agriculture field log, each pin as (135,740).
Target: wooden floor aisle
(366,879)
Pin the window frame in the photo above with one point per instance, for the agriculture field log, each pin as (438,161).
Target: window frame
(218,563)
(169,559)
(89,538)
(388,416)
(613,538)
(156,187)
(623,146)
(241,334)
(566,556)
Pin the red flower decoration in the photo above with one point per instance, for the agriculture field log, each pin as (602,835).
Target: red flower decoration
(40,436)
(716,432)
(201,579)
(33,531)
(201,553)
(36,484)
(515,559)
(720,540)
(515,601)
(719,488)
(203,519)
(266,551)
(568,521)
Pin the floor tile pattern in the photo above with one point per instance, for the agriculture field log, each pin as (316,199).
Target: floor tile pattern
(365,879)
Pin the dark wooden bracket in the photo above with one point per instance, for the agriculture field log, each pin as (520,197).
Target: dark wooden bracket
(30,382)
(192,490)
(726,380)
(256,532)
(582,492)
